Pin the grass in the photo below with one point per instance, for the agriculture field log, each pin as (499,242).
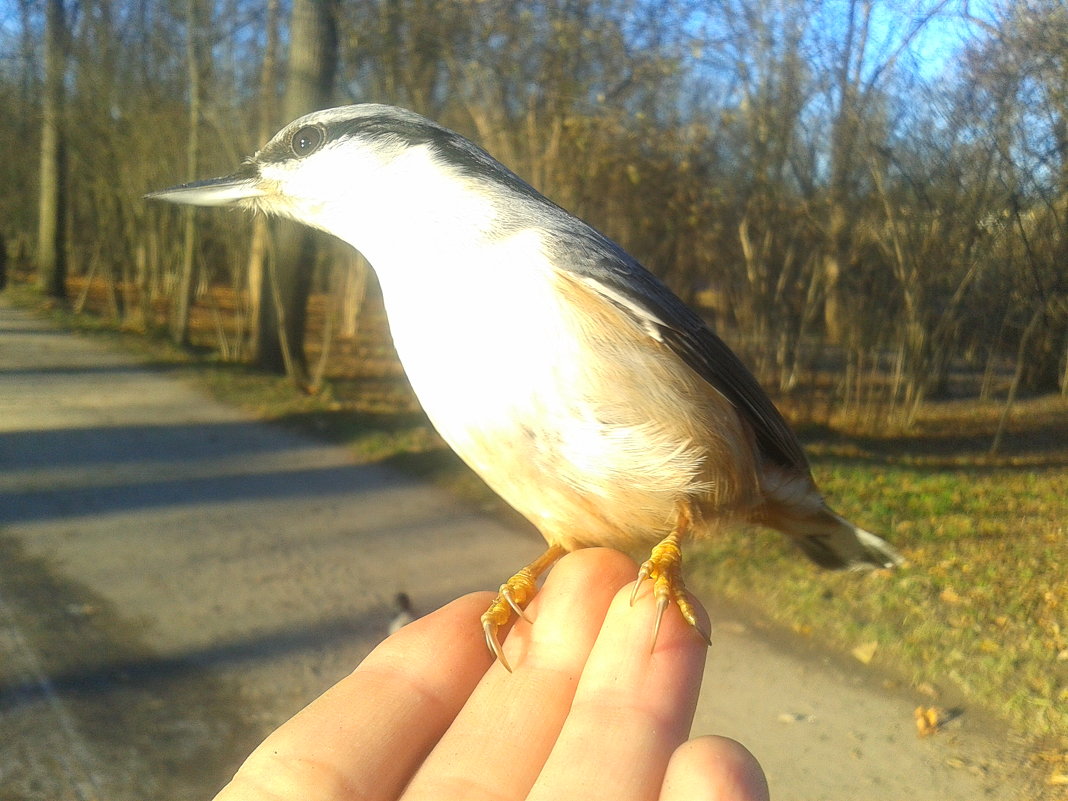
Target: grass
(981,609)
(982,604)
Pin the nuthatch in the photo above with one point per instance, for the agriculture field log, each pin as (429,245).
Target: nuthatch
(573,381)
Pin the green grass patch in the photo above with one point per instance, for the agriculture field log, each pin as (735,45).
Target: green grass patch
(981,605)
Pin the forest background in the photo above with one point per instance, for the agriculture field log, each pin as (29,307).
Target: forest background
(867,199)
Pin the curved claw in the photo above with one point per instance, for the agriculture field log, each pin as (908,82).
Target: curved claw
(689,614)
(490,628)
(513,595)
(644,572)
(661,607)
(703,633)
(509,596)
(664,566)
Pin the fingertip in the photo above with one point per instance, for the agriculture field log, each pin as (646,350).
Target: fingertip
(714,769)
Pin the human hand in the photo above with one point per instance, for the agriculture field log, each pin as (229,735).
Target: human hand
(588,713)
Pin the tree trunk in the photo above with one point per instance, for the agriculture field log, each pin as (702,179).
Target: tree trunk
(51,230)
(183,293)
(3,263)
(312,65)
(259,246)
(353,272)
(1014,387)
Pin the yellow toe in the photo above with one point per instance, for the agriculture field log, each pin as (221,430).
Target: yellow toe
(512,597)
(664,567)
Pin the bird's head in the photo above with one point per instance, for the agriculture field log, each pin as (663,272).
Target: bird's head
(360,171)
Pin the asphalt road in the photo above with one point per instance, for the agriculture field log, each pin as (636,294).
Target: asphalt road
(176,579)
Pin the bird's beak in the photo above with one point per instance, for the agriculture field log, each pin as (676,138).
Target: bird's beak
(241,185)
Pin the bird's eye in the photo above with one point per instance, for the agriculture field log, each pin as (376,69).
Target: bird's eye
(307,140)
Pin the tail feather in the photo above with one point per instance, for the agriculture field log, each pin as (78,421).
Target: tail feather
(833,542)
(877,550)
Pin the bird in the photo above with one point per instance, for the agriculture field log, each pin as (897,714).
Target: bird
(405,612)
(573,381)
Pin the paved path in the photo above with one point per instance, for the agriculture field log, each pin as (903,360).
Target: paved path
(176,579)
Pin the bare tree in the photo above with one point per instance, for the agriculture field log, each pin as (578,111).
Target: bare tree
(51,228)
(267,119)
(313,48)
(1020,70)
(858,66)
(195,54)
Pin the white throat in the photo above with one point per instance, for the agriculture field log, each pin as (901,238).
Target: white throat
(405,211)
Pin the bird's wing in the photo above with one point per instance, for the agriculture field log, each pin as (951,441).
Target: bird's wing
(611,272)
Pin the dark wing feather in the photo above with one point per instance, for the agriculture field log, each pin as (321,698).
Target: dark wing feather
(710,357)
(610,271)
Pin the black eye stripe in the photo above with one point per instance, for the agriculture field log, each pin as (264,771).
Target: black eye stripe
(307,140)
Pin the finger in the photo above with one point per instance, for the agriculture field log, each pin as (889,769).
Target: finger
(365,737)
(714,769)
(632,708)
(500,740)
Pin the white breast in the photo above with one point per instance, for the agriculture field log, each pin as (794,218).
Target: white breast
(594,437)
(565,431)
(480,335)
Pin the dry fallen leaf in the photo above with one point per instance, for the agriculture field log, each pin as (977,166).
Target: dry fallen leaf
(865,652)
(950,596)
(929,719)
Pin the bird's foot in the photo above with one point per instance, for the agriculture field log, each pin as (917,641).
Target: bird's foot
(513,596)
(664,567)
